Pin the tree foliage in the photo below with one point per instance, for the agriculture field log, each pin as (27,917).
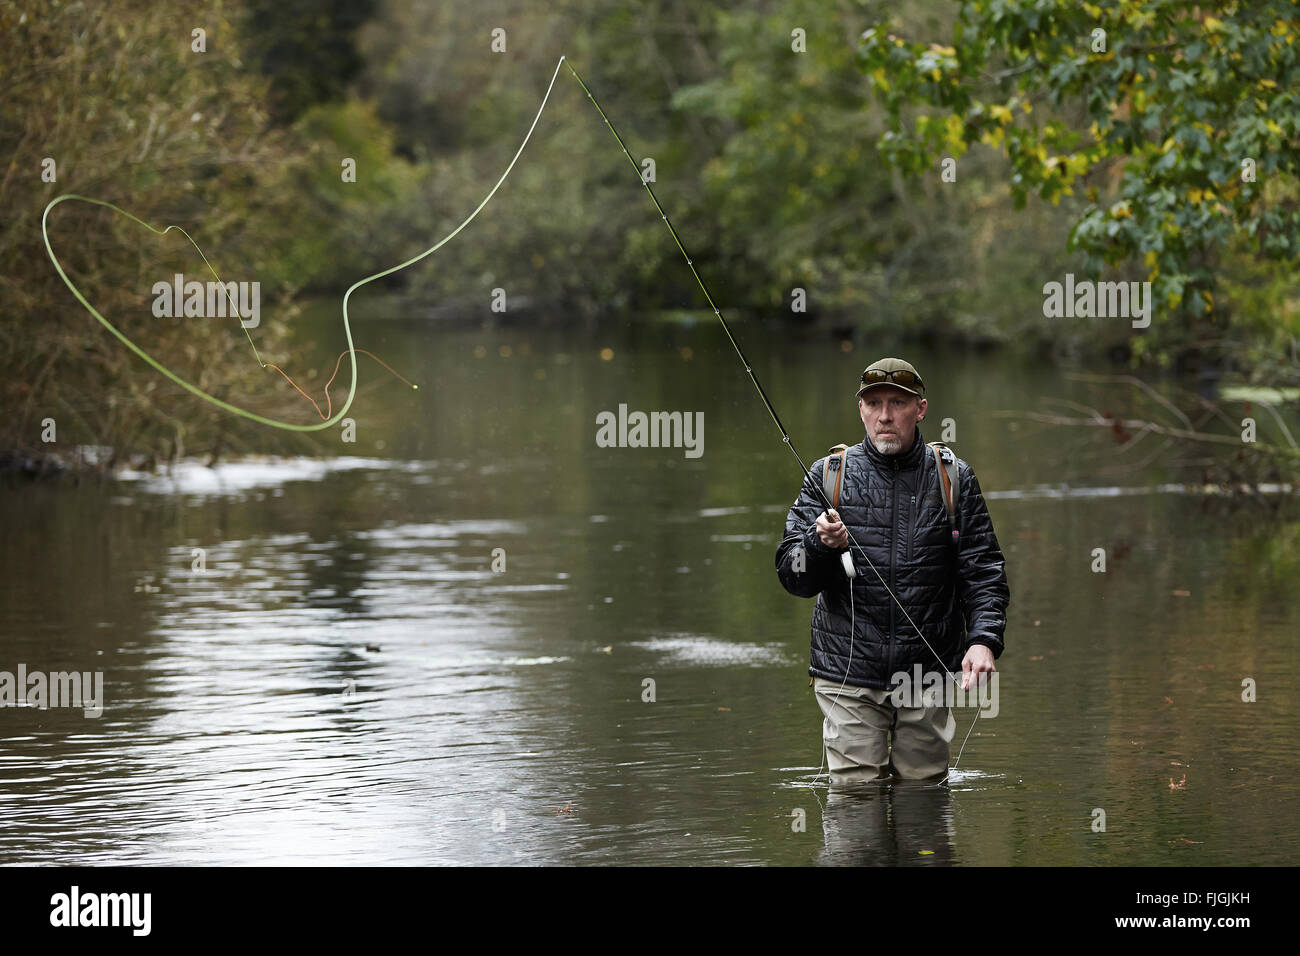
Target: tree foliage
(131,114)
(1178,125)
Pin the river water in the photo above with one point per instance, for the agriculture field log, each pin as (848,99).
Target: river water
(349,679)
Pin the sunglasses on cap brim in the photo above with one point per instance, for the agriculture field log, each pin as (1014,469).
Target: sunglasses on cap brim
(901,376)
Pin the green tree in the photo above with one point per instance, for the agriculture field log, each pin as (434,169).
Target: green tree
(132,114)
(1179,126)
(802,200)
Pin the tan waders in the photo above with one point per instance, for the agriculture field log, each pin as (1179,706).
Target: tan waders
(857,729)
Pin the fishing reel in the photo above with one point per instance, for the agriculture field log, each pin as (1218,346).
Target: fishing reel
(846,559)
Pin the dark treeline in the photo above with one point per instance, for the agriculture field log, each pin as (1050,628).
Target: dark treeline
(763,121)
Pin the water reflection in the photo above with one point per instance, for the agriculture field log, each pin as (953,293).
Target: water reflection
(349,681)
(905,823)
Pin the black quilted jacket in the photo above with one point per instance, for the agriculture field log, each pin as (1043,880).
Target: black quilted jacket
(955,592)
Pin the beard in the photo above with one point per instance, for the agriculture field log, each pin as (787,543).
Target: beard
(888,444)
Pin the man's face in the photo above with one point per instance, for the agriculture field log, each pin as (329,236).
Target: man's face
(889,415)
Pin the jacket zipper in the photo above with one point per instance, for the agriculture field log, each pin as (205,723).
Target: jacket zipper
(893,548)
(912,520)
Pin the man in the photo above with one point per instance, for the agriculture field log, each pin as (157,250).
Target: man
(953,586)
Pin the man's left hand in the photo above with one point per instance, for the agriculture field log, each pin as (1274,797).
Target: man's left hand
(978,660)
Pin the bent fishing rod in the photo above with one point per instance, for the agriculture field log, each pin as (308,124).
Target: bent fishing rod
(749,370)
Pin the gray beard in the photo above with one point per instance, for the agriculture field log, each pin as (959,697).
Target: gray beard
(888,445)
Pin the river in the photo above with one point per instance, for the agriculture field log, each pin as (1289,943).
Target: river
(349,679)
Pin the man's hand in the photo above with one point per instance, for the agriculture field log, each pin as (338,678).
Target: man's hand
(978,660)
(831,530)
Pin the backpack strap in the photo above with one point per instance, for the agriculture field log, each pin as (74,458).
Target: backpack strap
(833,474)
(949,482)
(832,485)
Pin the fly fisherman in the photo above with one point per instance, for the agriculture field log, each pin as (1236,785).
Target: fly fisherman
(918,513)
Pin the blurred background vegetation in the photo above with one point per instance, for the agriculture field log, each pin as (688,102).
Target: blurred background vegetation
(767,160)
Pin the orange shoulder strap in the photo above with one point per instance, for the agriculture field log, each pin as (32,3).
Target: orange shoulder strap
(945,463)
(833,474)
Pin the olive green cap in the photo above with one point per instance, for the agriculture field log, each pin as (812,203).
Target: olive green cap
(915,384)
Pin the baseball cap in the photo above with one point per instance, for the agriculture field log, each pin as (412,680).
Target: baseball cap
(895,372)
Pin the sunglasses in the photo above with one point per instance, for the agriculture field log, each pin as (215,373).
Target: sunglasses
(876,376)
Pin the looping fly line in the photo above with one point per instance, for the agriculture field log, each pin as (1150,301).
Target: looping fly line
(331,419)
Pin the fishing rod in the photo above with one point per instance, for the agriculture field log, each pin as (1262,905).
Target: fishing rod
(785,435)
